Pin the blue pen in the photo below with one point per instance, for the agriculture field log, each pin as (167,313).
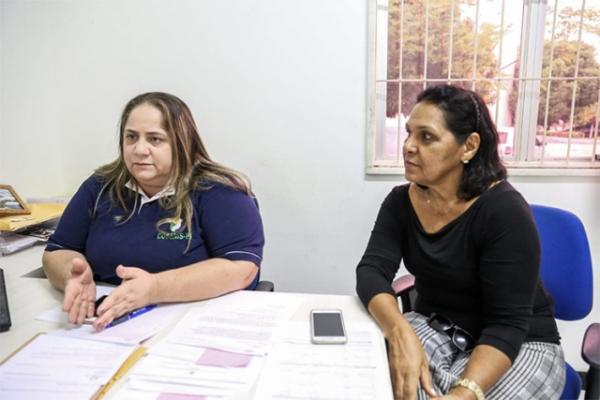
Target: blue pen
(131,315)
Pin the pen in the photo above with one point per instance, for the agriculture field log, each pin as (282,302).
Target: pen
(131,315)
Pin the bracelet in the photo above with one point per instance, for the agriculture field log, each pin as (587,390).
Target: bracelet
(471,385)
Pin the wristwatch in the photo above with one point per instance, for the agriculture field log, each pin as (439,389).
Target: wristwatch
(471,385)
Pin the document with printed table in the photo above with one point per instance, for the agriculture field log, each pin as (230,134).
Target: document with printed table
(298,369)
(216,351)
(55,367)
(76,362)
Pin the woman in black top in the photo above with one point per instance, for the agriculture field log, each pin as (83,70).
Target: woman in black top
(483,322)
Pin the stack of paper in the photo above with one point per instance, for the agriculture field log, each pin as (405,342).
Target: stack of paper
(241,322)
(216,351)
(11,242)
(298,369)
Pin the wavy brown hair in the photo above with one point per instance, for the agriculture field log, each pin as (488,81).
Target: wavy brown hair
(192,168)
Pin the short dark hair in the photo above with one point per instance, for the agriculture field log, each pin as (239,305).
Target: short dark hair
(465,112)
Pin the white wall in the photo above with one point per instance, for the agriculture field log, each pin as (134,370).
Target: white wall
(278,89)
(2,140)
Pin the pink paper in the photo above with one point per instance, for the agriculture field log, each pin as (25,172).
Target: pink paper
(221,358)
(178,396)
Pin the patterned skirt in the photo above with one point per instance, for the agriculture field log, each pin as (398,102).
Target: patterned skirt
(538,372)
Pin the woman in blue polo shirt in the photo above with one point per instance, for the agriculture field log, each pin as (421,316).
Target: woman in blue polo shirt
(163,221)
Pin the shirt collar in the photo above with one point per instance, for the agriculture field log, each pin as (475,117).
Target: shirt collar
(167,191)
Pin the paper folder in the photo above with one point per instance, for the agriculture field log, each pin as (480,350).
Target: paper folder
(40,212)
(81,357)
(126,366)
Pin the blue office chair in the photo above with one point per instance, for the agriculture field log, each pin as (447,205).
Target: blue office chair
(566,270)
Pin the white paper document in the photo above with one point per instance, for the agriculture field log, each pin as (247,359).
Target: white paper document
(57,314)
(215,351)
(130,393)
(52,367)
(241,322)
(298,369)
(132,331)
(169,368)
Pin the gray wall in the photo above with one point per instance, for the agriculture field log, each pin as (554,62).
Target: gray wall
(278,89)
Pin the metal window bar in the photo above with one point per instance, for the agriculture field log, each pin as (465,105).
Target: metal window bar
(532,47)
(426,49)
(577,58)
(519,111)
(499,63)
(379,37)
(595,142)
(451,45)
(475,45)
(379,45)
(400,75)
(549,85)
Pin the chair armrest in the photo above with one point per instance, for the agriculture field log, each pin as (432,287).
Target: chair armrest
(265,286)
(404,287)
(590,351)
(402,284)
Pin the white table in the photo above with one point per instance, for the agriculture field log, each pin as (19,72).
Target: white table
(28,297)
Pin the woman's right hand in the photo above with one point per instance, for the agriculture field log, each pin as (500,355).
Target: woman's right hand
(408,364)
(80,291)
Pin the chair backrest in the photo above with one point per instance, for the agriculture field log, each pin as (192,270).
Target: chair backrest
(566,263)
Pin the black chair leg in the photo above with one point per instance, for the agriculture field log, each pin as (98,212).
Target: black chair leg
(592,384)
(265,286)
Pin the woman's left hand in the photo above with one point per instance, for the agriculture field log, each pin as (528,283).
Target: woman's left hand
(135,291)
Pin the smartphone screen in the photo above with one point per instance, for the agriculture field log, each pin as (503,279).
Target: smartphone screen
(327,326)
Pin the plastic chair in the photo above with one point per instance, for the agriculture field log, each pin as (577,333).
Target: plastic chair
(566,270)
(265,286)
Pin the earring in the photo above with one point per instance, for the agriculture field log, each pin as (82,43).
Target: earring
(465,161)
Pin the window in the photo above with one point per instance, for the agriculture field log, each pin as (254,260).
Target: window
(537,66)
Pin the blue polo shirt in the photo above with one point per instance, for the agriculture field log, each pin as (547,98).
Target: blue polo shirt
(226,224)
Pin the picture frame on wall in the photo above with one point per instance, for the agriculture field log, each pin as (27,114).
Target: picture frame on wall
(11,202)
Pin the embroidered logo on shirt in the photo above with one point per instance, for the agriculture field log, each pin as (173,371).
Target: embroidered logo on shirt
(173,236)
(175,232)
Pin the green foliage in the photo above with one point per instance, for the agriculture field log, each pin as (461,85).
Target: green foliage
(563,65)
(438,46)
(568,22)
(564,61)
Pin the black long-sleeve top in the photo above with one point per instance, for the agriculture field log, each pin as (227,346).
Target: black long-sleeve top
(481,270)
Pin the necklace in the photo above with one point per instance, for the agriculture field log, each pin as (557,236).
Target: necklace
(438,206)
(425,193)
(424,190)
